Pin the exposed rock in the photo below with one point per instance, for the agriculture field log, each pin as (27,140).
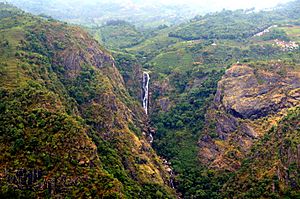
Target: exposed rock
(250,94)
(162,89)
(248,130)
(245,96)
(226,123)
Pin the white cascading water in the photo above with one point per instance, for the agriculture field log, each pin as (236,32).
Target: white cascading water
(146,79)
(151,138)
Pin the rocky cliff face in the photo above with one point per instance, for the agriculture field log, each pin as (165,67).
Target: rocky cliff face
(68,124)
(273,165)
(250,93)
(250,99)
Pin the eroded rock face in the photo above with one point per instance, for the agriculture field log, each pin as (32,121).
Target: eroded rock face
(159,93)
(248,93)
(249,100)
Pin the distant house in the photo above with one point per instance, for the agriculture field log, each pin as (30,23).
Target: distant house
(287,46)
(265,31)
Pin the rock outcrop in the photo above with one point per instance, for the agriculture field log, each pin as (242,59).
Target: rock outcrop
(249,100)
(249,93)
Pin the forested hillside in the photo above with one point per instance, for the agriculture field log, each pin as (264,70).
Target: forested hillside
(68,125)
(224,96)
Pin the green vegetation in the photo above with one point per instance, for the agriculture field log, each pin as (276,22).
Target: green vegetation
(239,25)
(292,32)
(275,34)
(264,172)
(66,115)
(178,131)
(66,127)
(186,62)
(117,34)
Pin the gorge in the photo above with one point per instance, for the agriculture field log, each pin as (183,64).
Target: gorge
(198,110)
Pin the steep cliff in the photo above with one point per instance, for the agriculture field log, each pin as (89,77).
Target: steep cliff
(272,167)
(249,101)
(69,128)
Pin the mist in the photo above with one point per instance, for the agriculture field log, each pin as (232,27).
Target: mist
(138,12)
(210,5)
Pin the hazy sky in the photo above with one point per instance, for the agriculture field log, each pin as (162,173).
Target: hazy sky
(235,4)
(189,7)
(230,4)
(240,3)
(206,4)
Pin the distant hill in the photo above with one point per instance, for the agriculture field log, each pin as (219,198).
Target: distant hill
(93,13)
(147,13)
(116,34)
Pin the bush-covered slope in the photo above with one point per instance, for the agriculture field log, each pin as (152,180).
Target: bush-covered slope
(272,168)
(117,34)
(68,126)
(240,24)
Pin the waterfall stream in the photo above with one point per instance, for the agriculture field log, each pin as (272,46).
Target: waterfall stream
(146,79)
(145,98)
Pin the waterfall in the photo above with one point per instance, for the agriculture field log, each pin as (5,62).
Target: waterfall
(146,79)
(145,98)
(170,171)
(151,138)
